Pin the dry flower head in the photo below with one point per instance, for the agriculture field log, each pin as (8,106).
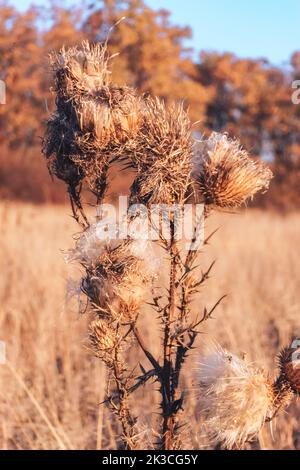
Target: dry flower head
(117,282)
(162,154)
(236,398)
(225,175)
(94,118)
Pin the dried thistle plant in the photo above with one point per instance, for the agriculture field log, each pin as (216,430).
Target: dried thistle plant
(95,124)
(225,176)
(116,282)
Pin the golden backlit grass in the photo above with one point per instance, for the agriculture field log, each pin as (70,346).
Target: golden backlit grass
(50,386)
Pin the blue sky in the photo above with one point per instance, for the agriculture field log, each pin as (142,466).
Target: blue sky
(254,28)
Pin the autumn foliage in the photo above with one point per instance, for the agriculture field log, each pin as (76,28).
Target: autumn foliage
(249,99)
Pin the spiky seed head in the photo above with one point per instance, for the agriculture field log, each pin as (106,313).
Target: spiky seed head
(289,364)
(117,280)
(113,115)
(235,397)
(106,113)
(78,69)
(225,175)
(77,72)
(102,336)
(162,154)
(94,119)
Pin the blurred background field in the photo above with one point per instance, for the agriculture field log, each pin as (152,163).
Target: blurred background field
(51,386)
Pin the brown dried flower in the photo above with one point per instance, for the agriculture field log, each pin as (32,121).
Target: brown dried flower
(117,281)
(162,154)
(102,336)
(225,175)
(93,120)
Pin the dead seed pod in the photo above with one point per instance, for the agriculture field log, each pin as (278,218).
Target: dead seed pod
(79,69)
(162,155)
(60,150)
(103,338)
(117,281)
(112,114)
(224,175)
(108,119)
(104,114)
(236,398)
(102,335)
(93,121)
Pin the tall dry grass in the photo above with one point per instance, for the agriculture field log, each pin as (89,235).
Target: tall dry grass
(50,385)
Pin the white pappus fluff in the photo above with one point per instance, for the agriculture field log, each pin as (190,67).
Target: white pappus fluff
(89,245)
(235,397)
(92,245)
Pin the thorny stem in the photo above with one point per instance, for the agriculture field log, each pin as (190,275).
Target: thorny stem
(149,356)
(76,206)
(140,381)
(126,419)
(177,345)
(168,369)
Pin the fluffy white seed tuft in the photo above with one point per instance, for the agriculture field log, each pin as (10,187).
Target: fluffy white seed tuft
(235,397)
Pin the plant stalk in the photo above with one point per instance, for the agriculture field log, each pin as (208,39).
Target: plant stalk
(169,417)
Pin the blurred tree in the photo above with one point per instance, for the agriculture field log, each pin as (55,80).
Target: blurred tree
(241,102)
(65,28)
(20,65)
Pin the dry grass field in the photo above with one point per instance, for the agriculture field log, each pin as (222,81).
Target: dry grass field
(50,385)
